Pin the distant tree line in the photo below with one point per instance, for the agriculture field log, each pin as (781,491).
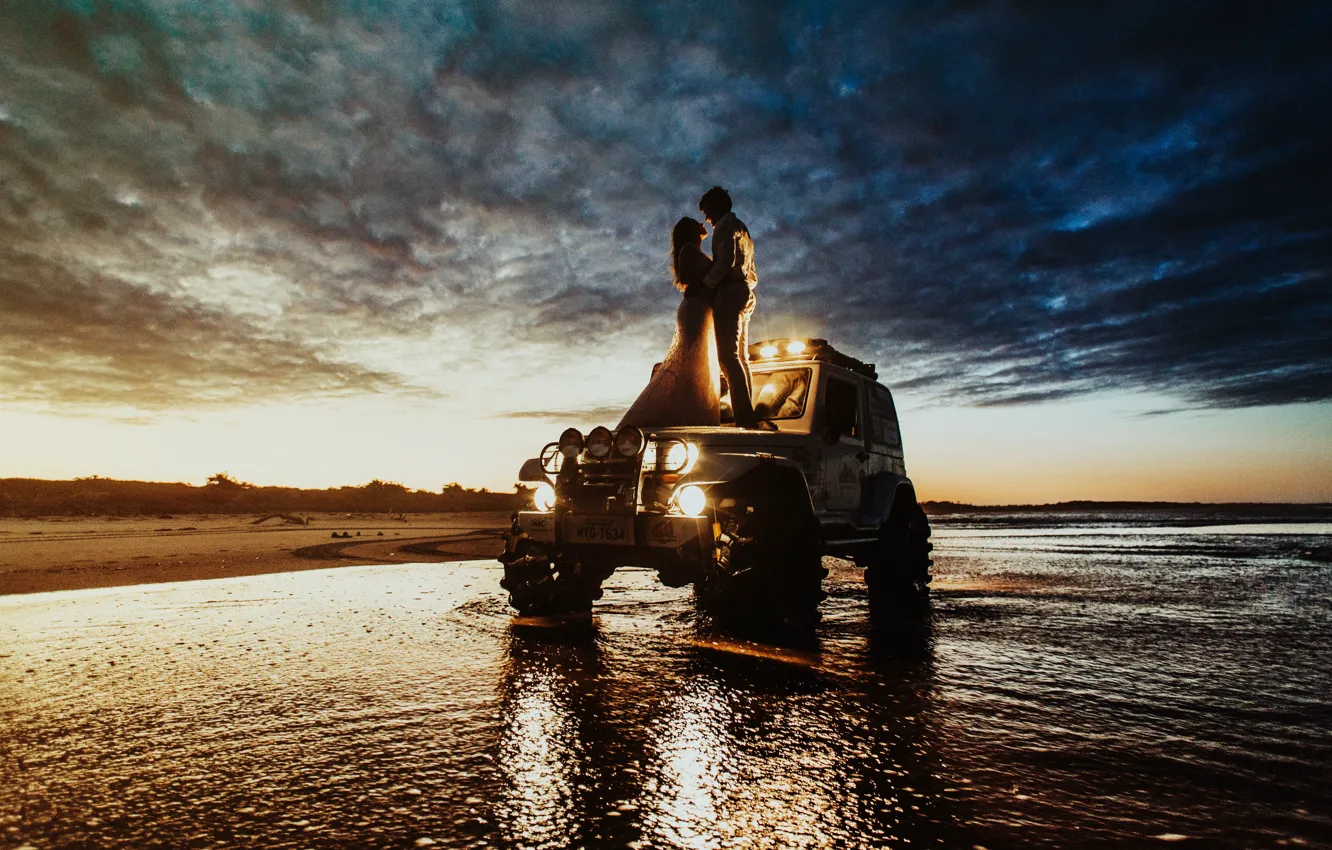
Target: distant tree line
(27,497)
(1200,510)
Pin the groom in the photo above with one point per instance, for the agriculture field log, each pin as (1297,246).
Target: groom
(732,280)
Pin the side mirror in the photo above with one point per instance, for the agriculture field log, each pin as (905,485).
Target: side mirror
(532,470)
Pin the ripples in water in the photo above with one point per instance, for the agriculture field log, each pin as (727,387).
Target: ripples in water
(1107,687)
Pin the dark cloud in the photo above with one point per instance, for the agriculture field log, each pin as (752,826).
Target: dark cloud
(998,202)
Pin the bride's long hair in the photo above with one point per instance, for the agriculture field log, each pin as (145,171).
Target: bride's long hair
(686,230)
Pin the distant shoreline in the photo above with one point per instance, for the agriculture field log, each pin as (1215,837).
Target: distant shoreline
(41,554)
(1312,509)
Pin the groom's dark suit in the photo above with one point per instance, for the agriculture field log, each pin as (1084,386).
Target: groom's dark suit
(733,279)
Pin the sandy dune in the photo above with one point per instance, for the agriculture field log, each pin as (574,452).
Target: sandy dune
(69,553)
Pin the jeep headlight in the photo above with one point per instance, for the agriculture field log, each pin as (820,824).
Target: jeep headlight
(543,499)
(691,500)
(678,456)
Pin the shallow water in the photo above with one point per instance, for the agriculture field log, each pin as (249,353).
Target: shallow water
(1072,686)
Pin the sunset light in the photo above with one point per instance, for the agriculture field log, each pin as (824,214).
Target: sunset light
(223,256)
(665,424)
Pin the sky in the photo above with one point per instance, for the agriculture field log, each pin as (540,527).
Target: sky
(315,242)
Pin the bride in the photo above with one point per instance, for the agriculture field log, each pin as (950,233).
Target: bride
(683,388)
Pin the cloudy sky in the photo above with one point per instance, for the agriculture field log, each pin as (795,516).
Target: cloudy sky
(314,242)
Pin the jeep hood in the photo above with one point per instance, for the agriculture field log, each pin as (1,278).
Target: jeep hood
(731,438)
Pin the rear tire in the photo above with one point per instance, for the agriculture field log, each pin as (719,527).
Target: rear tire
(898,571)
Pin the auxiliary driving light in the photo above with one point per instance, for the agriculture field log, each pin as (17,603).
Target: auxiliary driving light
(544,497)
(600,442)
(795,346)
(768,350)
(571,442)
(629,441)
(690,499)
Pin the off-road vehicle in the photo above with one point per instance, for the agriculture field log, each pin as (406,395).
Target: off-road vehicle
(746,516)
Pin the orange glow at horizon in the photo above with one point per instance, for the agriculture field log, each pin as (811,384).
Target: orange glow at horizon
(1098,448)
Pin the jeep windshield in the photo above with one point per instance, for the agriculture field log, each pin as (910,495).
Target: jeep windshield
(779,394)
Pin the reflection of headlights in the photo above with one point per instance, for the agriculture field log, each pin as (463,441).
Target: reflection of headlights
(571,442)
(768,351)
(629,441)
(599,442)
(795,346)
(691,500)
(544,497)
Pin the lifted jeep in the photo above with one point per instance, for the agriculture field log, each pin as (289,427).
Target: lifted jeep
(743,515)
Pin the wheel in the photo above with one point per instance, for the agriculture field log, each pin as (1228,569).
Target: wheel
(767,573)
(898,570)
(539,586)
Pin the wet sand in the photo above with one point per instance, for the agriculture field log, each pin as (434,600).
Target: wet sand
(74,553)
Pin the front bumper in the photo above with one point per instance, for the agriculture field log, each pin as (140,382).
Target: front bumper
(653,531)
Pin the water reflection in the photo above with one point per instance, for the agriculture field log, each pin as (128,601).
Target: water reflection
(567,756)
(1053,698)
(691,750)
(538,739)
(720,742)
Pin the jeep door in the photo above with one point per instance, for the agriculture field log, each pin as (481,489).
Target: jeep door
(843,433)
(884,469)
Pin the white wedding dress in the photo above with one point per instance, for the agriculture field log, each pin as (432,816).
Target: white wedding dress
(683,389)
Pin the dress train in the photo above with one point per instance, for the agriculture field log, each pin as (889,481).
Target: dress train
(683,388)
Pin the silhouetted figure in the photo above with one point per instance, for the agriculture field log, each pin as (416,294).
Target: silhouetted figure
(683,387)
(732,278)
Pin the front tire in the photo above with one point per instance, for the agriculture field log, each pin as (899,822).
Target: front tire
(767,574)
(541,587)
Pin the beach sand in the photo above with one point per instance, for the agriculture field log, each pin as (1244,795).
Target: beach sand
(71,553)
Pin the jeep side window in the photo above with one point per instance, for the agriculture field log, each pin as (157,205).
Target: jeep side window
(883,418)
(841,410)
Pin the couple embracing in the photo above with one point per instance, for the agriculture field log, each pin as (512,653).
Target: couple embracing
(711,326)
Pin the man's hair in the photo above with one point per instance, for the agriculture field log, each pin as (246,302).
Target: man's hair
(716,200)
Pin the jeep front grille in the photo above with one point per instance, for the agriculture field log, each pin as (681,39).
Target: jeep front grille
(609,485)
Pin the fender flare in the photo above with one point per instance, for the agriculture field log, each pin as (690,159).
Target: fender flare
(890,491)
(904,497)
(770,477)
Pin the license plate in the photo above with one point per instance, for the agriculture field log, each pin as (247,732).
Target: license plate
(613,531)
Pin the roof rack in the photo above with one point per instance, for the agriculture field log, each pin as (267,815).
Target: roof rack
(796,350)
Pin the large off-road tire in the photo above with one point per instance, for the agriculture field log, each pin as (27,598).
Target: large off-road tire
(898,570)
(755,586)
(539,586)
(768,570)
